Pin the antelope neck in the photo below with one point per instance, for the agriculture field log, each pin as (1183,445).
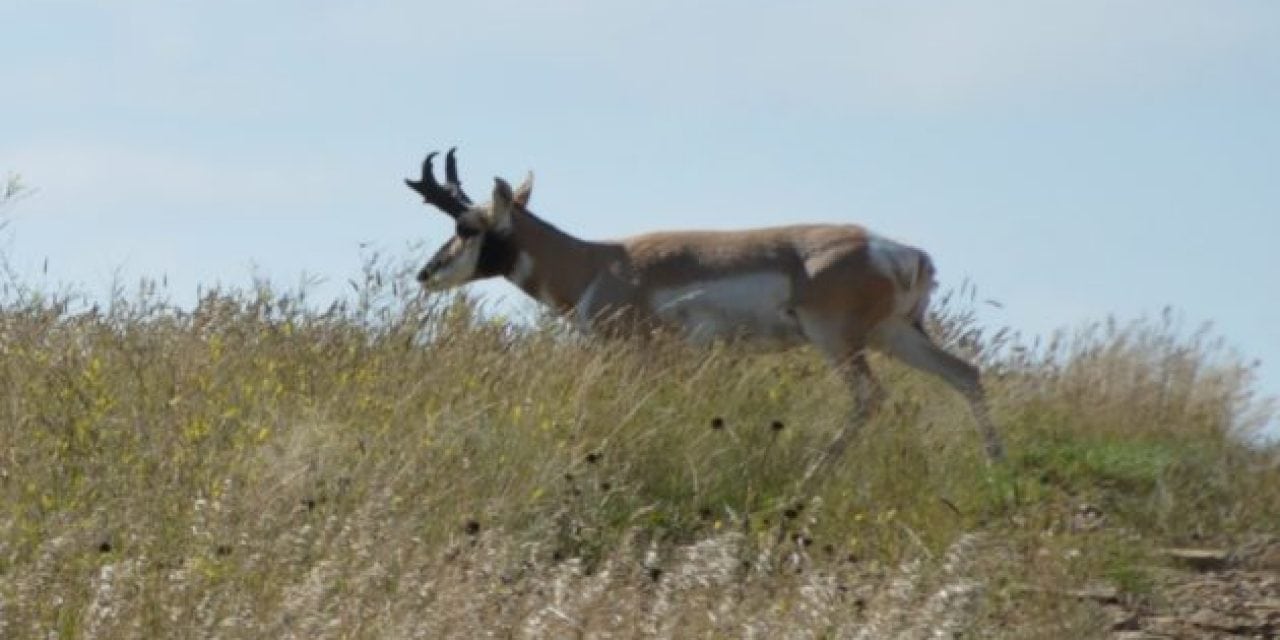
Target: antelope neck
(552,266)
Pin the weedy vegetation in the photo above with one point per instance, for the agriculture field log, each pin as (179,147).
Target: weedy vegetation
(396,465)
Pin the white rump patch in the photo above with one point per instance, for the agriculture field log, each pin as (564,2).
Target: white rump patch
(902,265)
(897,261)
(753,306)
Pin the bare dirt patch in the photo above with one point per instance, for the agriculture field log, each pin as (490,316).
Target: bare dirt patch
(1211,594)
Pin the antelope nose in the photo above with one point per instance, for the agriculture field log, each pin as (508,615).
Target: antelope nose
(424,275)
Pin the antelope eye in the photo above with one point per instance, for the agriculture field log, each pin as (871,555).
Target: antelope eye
(466,232)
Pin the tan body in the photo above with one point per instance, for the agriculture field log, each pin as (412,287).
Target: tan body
(839,288)
(760,284)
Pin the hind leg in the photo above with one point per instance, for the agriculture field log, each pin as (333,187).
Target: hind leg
(913,347)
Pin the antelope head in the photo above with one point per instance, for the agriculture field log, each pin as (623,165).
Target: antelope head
(484,243)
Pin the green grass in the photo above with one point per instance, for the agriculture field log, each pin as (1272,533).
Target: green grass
(391,465)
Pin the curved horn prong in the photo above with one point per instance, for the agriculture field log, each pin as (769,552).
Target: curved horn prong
(451,165)
(428,171)
(452,183)
(428,178)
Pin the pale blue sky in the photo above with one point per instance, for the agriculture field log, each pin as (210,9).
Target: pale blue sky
(1074,159)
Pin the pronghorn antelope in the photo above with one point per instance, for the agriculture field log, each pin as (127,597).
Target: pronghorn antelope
(840,288)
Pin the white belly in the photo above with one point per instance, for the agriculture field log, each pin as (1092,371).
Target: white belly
(754,306)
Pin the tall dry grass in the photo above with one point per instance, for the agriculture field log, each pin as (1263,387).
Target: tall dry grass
(394,466)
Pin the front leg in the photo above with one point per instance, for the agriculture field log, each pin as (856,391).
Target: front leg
(868,397)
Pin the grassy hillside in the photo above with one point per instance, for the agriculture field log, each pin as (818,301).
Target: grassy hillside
(398,467)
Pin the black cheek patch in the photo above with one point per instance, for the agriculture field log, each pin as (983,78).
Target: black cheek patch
(497,257)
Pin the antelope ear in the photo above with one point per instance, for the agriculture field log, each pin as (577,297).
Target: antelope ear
(524,191)
(503,204)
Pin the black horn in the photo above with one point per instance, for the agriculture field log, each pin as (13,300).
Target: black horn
(448,197)
(452,183)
